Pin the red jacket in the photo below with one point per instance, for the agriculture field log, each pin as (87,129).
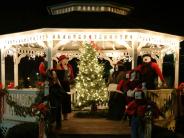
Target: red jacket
(155,67)
(42,69)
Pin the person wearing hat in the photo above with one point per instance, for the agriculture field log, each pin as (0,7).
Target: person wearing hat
(65,75)
(149,72)
(64,65)
(43,68)
(116,103)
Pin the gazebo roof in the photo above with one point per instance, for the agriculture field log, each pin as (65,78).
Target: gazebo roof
(107,39)
(89,6)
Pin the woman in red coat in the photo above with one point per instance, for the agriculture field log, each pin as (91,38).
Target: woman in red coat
(43,68)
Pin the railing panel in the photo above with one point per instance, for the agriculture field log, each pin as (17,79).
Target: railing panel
(165,102)
(22,97)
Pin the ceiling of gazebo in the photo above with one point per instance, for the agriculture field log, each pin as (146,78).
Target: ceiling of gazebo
(101,45)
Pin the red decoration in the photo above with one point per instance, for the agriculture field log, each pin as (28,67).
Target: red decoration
(39,83)
(94,45)
(11,85)
(181,86)
(1,85)
(41,107)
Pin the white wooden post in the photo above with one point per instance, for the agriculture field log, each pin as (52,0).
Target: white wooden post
(50,64)
(3,68)
(176,81)
(49,53)
(160,64)
(15,57)
(134,54)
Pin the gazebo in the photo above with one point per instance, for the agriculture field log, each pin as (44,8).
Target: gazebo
(113,45)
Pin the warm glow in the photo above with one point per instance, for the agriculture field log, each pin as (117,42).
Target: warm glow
(90,85)
(139,35)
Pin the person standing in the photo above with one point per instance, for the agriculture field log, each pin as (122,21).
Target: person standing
(117,95)
(65,76)
(43,68)
(136,109)
(56,93)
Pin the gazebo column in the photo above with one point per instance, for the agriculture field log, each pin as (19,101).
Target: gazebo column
(3,68)
(176,81)
(16,72)
(50,64)
(160,64)
(49,53)
(134,53)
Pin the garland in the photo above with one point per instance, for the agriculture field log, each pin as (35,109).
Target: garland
(36,109)
(19,110)
(39,109)
(169,103)
(2,94)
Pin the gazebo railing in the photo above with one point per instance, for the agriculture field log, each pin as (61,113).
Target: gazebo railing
(25,97)
(165,101)
(22,97)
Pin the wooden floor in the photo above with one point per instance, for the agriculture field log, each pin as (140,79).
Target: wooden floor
(94,126)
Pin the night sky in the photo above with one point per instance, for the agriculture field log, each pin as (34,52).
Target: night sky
(166,16)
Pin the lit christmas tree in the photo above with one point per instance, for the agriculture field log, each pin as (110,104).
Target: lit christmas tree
(90,85)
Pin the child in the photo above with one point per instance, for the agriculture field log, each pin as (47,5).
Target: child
(136,109)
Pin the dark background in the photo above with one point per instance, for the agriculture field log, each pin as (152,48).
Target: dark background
(158,15)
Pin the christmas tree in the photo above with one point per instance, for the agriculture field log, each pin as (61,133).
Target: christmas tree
(90,85)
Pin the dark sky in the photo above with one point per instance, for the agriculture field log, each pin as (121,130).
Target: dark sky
(20,15)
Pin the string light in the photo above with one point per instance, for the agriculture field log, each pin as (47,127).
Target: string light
(89,82)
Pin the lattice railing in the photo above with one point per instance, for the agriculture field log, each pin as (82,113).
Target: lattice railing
(22,97)
(165,99)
